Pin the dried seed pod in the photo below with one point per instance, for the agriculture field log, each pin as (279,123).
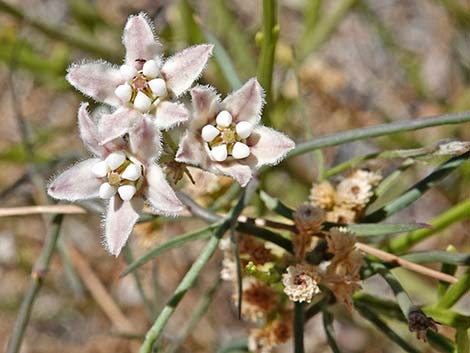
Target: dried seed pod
(420,323)
(308,220)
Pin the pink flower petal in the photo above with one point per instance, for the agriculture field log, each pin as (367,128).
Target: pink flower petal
(246,103)
(89,131)
(112,126)
(160,194)
(268,146)
(240,172)
(170,114)
(120,220)
(191,151)
(206,105)
(139,40)
(97,80)
(145,140)
(182,69)
(76,183)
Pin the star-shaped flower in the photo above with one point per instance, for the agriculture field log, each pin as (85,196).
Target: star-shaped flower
(145,83)
(124,173)
(226,137)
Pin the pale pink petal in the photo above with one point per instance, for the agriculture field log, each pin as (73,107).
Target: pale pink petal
(120,220)
(170,114)
(97,80)
(145,140)
(139,39)
(268,146)
(246,103)
(240,172)
(76,183)
(191,151)
(117,124)
(160,194)
(182,69)
(89,131)
(206,105)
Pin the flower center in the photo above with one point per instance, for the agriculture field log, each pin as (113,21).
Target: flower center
(143,89)
(122,174)
(226,139)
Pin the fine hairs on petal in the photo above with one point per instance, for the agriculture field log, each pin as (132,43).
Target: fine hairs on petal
(89,131)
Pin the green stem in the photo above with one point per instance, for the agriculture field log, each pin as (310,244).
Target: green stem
(455,214)
(189,279)
(329,331)
(268,48)
(461,338)
(61,34)
(298,325)
(455,291)
(449,269)
(378,130)
(39,272)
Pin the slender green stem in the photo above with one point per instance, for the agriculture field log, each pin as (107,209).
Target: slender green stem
(382,326)
(60,34)
(268,48)
(378,130)
(329,331)
(449,269)
(298,326)
(197,314)
(461,338)
(455,291)
(129,258)
(39,272)
(455,214)
(189,279)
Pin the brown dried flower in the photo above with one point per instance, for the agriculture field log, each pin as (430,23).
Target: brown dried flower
(341,214)
(274,333)
(300,283)
(420,323)
(308,220)
(258,300)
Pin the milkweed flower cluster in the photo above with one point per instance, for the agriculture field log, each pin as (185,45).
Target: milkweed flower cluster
(221,136)
(345,202)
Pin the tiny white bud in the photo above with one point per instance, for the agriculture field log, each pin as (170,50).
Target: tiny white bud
(158,87)
(142,102)
(115,160)
(126,192)
(150,68)
(240,150)
(107,191)
(244,129)
(127,72)
(123,92)
(219,153)
(132,172)
(209,132)
(224,118)
(100,169)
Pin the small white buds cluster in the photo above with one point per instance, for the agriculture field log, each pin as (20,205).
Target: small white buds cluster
(123,175)
(142,89)
(226,138)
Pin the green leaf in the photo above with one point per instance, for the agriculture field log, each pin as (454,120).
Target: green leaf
(329,331)
(455,291)
(445,257)
(368,230)
(461,338)
(171,244)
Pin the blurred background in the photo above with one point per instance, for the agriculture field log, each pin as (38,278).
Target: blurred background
(338,65)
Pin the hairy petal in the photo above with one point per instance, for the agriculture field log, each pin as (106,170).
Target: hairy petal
(89,131)
(191,151)
(246,103)
(170,114)
(76,183)
(97,80)
(240,172)
(117,124)
(139,40)
(268,146)
(120,220)
(205,102)
(145,140)
(160,194)
(182,69)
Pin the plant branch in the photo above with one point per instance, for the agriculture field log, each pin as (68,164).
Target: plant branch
(298,326)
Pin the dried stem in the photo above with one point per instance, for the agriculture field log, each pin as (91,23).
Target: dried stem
(385,256)
(39,272)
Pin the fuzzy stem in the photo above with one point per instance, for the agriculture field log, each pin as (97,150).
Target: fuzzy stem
(39,272)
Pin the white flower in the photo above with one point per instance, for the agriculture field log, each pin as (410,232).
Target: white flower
(299,283)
